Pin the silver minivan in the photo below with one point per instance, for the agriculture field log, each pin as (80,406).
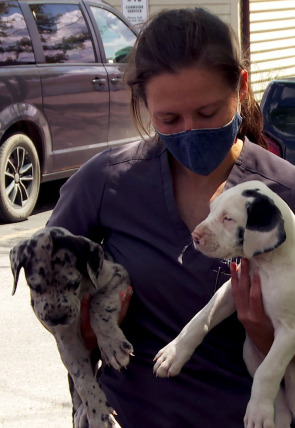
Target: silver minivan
(62,95)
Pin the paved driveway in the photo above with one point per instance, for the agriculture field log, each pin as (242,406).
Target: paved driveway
(33,381)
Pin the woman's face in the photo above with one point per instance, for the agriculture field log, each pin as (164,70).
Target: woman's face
(193,98)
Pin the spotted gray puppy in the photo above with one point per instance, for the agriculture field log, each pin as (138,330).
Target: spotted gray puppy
(60,268)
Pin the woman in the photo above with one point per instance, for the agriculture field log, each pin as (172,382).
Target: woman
(143,200)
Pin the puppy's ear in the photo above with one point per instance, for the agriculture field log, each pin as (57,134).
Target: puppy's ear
(265,229)
(94,262)
(89,254)
(17,261)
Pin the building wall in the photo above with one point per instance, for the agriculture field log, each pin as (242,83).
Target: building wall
(272,41)
(272,33)
(226,9)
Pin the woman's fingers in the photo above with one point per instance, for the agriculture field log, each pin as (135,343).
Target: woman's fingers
(125,297)
(241,285)
(248,299)
(86,329)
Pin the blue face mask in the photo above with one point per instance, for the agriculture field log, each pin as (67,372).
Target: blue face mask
(202,150)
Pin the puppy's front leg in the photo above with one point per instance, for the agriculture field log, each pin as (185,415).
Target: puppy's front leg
(77,361)
(104,311)
(170,359)
(267,378)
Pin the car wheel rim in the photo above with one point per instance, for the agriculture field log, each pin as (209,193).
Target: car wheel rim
(18,177)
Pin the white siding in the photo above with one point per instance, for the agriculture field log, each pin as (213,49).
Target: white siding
(272,41)
(272,33)
(228,10)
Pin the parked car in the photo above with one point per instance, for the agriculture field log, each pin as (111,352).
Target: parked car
(278,110)
(62,98)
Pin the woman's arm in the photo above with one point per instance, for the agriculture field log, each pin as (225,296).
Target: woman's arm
(79,206)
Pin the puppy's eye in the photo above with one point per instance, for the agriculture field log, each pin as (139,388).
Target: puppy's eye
(73,285)
(227,219)
(37,288)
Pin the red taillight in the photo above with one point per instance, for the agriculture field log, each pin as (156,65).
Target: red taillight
(273,146)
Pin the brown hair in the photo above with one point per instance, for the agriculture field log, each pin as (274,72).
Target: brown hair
(180,38)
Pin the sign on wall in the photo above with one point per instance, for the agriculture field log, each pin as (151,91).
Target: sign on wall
(136,11)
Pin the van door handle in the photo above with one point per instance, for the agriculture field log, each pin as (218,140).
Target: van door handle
(99,81)
(115,80)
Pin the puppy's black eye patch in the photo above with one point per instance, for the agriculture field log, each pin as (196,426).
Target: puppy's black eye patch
(263,214)
(251,193)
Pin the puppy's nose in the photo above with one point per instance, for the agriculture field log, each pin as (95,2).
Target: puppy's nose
(197,236)
(57,319)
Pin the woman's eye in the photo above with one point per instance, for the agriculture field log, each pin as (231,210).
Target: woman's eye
(207,115)
(171,121)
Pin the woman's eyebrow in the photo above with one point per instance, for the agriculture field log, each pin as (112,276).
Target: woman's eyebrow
(212,104)
(203,107)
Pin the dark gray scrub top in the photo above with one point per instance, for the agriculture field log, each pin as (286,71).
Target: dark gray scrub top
(125,196)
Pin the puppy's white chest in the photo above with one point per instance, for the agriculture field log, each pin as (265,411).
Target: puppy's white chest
(278,294)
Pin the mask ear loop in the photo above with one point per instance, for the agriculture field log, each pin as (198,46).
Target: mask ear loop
(239,106)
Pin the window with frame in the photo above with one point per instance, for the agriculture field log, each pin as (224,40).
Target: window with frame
(15,43)
(282,111)
(64,34)
(117,38)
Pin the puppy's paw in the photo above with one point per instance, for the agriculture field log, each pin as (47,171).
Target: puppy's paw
(170,360)
(103,418)
(259,414)
(112,423)
(80,418)
(116,352)
(106,421)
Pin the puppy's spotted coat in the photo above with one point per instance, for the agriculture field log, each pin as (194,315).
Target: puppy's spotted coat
(60,268)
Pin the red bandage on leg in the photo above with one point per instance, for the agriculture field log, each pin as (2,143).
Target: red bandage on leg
(86,329)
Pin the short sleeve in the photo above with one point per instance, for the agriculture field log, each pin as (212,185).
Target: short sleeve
(79,205)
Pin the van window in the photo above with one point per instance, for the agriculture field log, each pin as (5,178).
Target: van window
(64,33)
(15,44)
(117,38)
(282,109)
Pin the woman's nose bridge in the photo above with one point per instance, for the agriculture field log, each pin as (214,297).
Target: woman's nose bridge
(189,123)
(191,120)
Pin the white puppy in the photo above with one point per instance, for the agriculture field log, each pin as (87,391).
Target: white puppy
(249,220)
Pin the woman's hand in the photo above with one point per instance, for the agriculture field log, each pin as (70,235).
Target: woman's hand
(249,304)
(125,297)
(86,329)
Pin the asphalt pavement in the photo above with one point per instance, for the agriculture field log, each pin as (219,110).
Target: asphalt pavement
(33,381)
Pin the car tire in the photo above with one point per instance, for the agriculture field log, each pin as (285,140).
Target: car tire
(19,178)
